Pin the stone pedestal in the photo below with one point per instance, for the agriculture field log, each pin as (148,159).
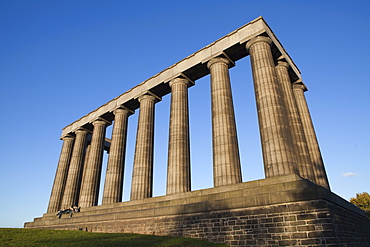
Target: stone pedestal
(276,141)
(142,177)
(61,174)
(226,161)
(178,173)
(91,182)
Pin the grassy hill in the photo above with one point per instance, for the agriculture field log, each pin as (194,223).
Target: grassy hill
(44,237)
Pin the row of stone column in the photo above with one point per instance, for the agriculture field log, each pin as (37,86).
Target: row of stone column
(289,143)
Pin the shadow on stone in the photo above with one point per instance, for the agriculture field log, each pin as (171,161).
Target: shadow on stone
(278,211)
(301,214)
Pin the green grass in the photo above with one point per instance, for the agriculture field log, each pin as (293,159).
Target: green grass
(45,237)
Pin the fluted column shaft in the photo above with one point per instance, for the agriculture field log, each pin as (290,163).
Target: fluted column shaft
(309,131)
(91,182)
(142,177)
(73,182)
(116,162)
(178,174)
(274,130)
(304,165)
(61,174)
(87,153)
(226,160)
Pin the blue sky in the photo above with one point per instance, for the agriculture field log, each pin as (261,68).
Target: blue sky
(62,59)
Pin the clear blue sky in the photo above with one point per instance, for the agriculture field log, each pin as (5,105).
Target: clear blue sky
(62,59)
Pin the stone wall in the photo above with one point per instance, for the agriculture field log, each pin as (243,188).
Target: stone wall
(303,214)
(313,223)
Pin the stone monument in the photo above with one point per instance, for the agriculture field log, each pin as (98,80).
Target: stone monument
(292,206)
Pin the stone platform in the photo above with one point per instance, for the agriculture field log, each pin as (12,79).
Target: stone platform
(278,211)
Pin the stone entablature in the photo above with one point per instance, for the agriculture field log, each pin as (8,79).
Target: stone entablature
(193,67)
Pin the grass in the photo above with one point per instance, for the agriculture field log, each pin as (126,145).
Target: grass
(44,237)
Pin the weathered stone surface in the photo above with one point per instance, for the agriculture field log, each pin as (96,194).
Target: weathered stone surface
(178,172)
(73,182)
(309,131)
(92,173)
(61,174)
(304,166)
(238,215)
(226,160)
(142,176)
(113,185)
(276,142)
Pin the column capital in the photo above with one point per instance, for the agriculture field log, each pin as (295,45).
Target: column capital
(69,136)
(178,80)
(258,39)
(284,64)
(81,130)
(218,60)
(147,97)
(122,109)
(101,121)
(298,84)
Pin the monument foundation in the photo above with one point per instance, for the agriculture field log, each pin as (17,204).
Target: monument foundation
(279,211)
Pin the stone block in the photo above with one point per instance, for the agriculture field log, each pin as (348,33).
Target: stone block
(276,229)
(306,228)
(306,216)
(312,241)
(288,242)
(299,235)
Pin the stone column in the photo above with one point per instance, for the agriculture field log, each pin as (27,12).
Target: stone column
(302,156)
(91,182)
(142,175)
(275,138)
(309,131)
(178,174)
(116,162)
(61,174)
(73,182)
(87,153)
(226,161)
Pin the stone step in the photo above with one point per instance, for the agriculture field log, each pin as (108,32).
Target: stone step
(260,192)
(283,189)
